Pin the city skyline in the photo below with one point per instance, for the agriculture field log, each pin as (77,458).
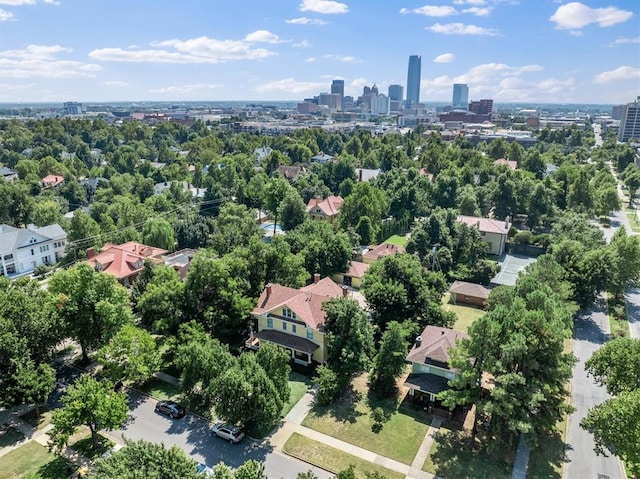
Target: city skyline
(545,52)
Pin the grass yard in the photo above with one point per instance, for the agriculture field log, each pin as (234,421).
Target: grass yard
(465,314)
(161,390)
(396,240)
(547,461)
(618,324)
(349,419)
(450,456)
(85,446)
(36,421)
(635,226)
(9,436)
(333,459)
(299,385)
(33,461)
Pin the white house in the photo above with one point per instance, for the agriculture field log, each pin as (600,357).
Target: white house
(22,250)
(494,232)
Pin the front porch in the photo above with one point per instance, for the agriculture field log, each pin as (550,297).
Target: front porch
(423,390)
(300,349)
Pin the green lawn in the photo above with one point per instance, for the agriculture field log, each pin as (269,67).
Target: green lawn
(84,446)
(451,457)
(465,314)
(349,419)
(299,385)
(396,240)
(333,459)
(9,436)
(33,461)
(635,226)
(547,460)
(38,421)
(618,324)
(161,390)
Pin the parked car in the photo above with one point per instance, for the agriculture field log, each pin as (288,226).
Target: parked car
(205,470)
(171,409)
(233,434)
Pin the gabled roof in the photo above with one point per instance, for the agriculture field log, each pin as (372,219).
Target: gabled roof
(291,173)
(503,161)
(366,174)
(486,225)
(357,269)
(124,260)
(51,181)
(435,343)
(470,289)
(13,238)
(330,206)
(306,302)
(4,171)
(381,250)
(322,158)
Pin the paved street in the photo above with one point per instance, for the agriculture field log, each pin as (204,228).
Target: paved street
(590,332)
(193,435)
(633,311)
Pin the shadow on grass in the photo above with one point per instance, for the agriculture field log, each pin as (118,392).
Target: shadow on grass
(453,456)
(58,468)
(342,409)
(547,460)
(85,447)
(9,436)
(40,420)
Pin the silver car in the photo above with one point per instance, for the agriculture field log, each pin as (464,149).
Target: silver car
(233,434)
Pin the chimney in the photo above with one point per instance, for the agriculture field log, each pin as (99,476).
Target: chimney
(268,288)
(506,223)
(360,174)
(316,278)
(478,224)
(345,291)
(418,341)
(90,253)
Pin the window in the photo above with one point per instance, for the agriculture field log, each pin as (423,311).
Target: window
(287,313)
(284,326)
(269,322)
(294,330)
(309,333)
(449,375)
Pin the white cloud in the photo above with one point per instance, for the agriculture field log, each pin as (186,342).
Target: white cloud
(195,50)
(469,2)
(116,83)
(310,59)
(431,11)
(619,74)
(182,89)
(302,44)
(342,58)
(41,61)
(5,15)
(292,86)
(359,83)
(17,3)
(323,6)
(478,11)
(306,21)
(574,15)
(461,29)
(444,58)
(623,41)
(264,36)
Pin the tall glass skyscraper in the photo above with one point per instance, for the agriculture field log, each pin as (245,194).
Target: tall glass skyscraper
(460,96)
(413,80)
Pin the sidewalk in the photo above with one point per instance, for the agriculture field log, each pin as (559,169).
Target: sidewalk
(521,462)
(293,424)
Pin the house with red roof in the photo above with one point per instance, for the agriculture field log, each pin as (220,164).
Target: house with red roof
(294,319)
(512,165)
(324,209)
(493,231)
(373,253)
(124,261)
(354,275)
(51,181)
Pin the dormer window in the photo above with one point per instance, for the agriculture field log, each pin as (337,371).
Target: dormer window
(287,313)
(138,264)
(98,266)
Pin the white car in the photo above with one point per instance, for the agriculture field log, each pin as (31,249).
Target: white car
(233,434)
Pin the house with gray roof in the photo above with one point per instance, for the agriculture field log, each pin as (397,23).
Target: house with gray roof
(24,249)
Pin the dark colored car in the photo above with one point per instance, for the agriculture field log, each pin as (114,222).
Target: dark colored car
(171,409)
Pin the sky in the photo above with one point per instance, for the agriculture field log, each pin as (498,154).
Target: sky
(532,51)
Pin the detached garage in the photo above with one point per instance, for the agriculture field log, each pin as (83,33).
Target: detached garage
(474,294)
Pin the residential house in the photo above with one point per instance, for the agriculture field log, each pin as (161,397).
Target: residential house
(324,209)
(294,319)
(429,358)
(354,275)
(366,174)
(197,193)
(291,173)
(462,292)
(261,154)
(7,174)
(322,158)
(512,165)
(91,185)
(22,250)
(493,231)
(374,253)
(52,181)
(124,261)
(180,261)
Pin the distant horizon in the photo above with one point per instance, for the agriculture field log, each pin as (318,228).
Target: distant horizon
(558,51)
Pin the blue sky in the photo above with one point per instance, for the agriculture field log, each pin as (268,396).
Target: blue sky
(541,51)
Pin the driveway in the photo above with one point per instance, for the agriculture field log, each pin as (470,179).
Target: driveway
(193,435)
(590,332)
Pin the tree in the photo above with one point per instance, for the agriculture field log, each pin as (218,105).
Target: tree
(616,427)
(292,210)
(35,381)
(365,200)
(159,233)
(625,262)
(329,385)
(581,195)
(93,305)
(277,190)
(632,182)
(145,459)
(389,363)
(46,212)
(91,403)
(349,338)
(235,226)
(616,365)
(607,200)
(275,362)
(160,305)
(132,354)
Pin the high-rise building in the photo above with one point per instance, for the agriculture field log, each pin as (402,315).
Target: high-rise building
(460,99)
(482,107)
(337,87)
(72,108)
(379,105)
(630,122)
(413,80)
(396,92)
(331,100)
(616,112)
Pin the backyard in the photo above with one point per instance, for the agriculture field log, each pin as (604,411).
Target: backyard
(466,315)
(33,461)
(349,419)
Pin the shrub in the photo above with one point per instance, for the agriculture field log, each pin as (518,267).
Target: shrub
(523,237)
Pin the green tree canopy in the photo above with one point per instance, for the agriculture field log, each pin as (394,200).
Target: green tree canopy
(130,355)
